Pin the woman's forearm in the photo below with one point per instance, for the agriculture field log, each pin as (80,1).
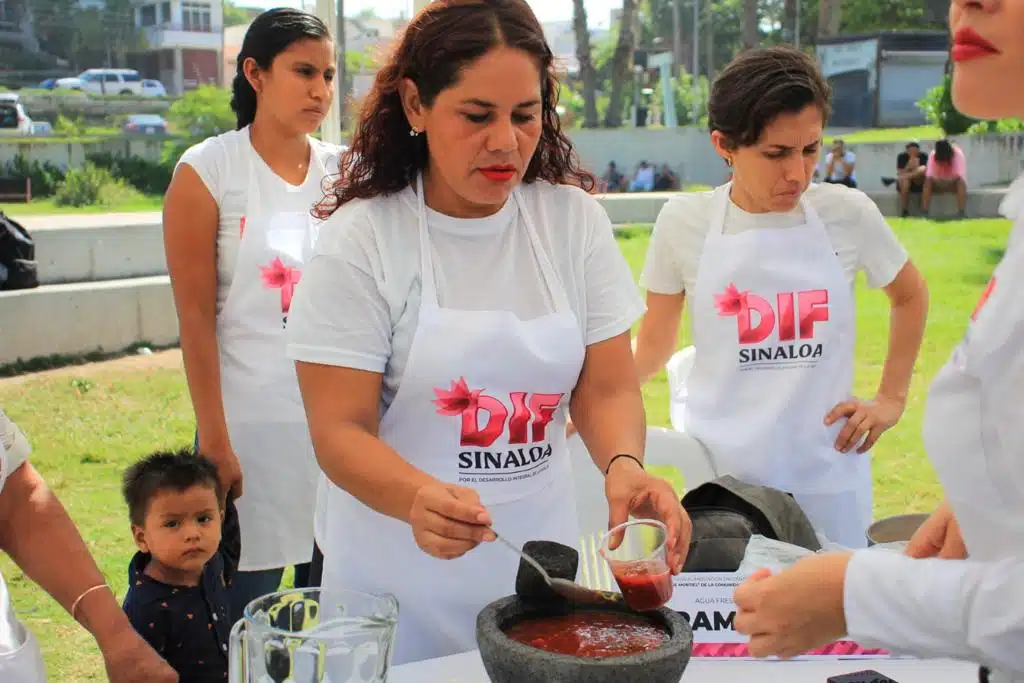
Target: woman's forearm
(906,330)
(40,537)
(369,469)
(201,356)
(649,357)
(658,334)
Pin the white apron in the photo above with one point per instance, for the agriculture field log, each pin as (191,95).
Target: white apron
(507,442)
(24,664)
(981,476)
(265,417)
(773,330)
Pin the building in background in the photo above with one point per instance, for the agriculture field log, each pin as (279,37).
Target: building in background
(183,42)
(877,79)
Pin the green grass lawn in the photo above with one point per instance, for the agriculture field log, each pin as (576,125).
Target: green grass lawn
(46,207)
(892,135)
(86,430)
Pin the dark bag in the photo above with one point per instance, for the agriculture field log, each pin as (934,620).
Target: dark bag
(18,267)
(726,512)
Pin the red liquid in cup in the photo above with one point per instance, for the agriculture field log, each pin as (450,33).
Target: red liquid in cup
(645,585)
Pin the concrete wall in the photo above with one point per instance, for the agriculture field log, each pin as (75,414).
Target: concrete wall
(70,154)
(991,159)
(80,318)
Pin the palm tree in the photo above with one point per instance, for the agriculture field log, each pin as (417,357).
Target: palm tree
(586,64)
(829,17)
(748,24)
(622,64)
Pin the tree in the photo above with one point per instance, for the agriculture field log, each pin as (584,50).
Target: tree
(829,18)
(586,64)
(235,15)
(622,64)
(748,25)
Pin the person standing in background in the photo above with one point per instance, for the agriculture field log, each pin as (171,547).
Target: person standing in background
(767,265)
(238,229)
(958,591)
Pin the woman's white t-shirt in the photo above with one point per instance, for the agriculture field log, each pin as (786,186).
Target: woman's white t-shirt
(359,300)
(225,163)
(860,236)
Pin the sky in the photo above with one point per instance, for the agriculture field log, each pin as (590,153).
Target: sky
(598,11)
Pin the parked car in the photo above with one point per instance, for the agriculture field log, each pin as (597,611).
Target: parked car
(41,128)
(13,119)
(151,88)
(105,82)
(145,124)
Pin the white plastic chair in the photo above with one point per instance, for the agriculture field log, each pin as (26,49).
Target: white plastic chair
(665,447)
(678,371)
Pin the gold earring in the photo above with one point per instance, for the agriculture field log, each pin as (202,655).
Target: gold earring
(413,132)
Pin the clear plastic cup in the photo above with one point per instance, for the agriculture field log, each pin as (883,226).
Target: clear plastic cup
(639,563)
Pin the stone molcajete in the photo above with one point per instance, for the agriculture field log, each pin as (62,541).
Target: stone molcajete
(509,661)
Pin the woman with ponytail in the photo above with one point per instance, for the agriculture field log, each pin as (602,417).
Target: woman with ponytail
(237,230)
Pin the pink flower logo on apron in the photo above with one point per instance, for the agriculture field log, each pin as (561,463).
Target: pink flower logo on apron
(527,420)
(812,304)
(984,298)
(284,278)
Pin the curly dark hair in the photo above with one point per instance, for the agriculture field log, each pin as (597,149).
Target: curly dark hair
(445,37)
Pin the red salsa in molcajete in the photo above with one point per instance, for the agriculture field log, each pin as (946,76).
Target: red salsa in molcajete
(589,634)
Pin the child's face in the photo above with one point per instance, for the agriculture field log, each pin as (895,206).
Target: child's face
(182,528)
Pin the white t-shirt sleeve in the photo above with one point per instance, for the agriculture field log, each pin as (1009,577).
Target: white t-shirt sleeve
(339,315)
(879,252)
(612,300)
(663,268)
(14,448)
(209,160)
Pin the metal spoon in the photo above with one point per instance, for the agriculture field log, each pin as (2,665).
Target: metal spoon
(570,590)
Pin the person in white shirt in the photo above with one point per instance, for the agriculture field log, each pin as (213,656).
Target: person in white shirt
(841,165)
(238,227)
(464,294)
(767,264)
(958,592)
(37,533)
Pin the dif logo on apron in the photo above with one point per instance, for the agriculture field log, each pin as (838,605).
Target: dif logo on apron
(507,439)
(791,319)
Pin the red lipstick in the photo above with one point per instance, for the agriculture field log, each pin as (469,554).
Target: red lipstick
(499,174)
(967,45)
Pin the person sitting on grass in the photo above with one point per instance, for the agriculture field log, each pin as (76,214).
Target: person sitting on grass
(189,544)
(946,172)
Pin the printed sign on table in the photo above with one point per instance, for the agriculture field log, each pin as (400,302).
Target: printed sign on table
(705,600)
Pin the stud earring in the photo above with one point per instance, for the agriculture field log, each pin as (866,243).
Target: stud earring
(413,132)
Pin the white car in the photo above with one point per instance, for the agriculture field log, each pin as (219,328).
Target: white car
(151,88)
(13,119)
(105,82)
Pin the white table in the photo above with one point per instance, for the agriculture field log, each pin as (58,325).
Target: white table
(467,668)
